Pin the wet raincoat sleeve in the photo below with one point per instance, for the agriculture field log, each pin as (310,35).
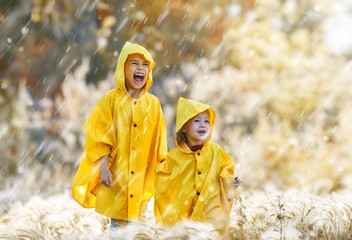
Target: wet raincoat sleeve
(100,139)
(164,209)
(215,206)
(99,130)
(226,181)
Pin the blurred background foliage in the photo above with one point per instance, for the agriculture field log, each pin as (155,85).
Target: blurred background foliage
(277,73)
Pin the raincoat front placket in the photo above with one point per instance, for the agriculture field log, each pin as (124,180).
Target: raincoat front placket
(134,194)
(199,158)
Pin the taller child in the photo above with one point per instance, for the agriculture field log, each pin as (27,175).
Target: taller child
(125,140)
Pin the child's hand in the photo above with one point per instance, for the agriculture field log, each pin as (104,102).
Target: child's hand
(237,181)
(106,177)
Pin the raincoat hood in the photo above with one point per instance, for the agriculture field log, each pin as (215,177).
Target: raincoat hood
(187,109)
(130,48)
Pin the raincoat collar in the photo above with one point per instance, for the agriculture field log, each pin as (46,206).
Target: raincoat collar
(187,109)
(119,78)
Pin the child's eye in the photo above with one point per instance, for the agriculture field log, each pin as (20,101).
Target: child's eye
(146,64)
(207,121)
(196,120)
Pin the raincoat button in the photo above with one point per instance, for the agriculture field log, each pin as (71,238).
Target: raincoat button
(131,196)
(199,172)
(135,103)
(132,172)
(198,193)
(134,125)
(198,153)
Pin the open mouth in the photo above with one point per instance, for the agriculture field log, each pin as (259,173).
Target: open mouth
(202,132)
(138,78)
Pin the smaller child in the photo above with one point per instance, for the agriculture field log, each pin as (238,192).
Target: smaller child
(196,181)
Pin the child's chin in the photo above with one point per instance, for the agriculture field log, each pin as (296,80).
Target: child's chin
(203,138)
(139,84)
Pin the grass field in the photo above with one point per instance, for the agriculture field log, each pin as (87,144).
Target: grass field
(284,114)
(296,168)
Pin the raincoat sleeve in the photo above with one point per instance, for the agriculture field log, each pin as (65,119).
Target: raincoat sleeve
(100,139)
(163,193)
(226,181)
(160,150)
(99,130)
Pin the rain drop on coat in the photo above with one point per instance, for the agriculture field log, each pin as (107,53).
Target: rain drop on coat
(133,132)
(198,185)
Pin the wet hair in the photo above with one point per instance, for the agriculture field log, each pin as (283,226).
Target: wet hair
(181,137)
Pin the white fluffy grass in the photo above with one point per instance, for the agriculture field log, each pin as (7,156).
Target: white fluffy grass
(292,214)
(60,217)
(54,217)
(257,215)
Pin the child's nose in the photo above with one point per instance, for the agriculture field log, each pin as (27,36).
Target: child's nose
(140,66)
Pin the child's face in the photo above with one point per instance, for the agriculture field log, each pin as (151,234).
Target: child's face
(136,71)
(197,129)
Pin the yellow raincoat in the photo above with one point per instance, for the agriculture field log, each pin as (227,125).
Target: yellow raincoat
(198,185)
(133,132)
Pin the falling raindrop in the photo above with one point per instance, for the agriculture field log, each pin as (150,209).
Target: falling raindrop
(234,10)
(102,42)
(24,30)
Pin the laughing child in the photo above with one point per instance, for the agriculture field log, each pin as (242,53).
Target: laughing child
(196,181)
(125,140)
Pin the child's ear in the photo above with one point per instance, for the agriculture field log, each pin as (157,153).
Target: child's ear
(183,129)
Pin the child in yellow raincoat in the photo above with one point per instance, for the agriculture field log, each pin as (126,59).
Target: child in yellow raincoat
(125,140)
(196,181)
